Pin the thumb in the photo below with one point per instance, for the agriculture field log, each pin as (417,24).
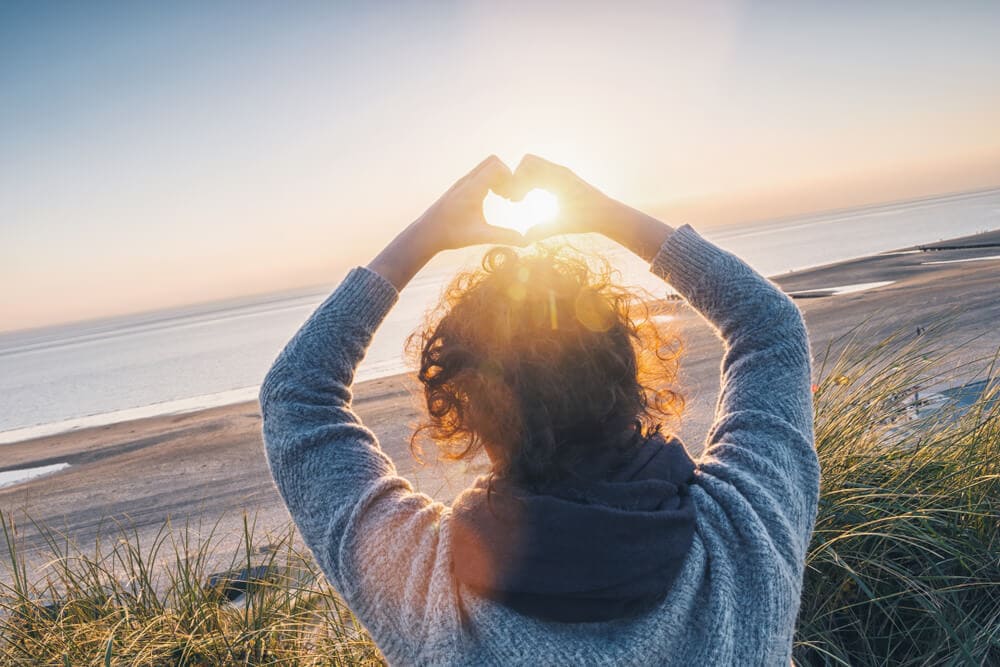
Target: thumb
(543,231)
(501,235)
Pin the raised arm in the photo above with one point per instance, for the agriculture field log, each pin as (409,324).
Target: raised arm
(376,541)
(759,456)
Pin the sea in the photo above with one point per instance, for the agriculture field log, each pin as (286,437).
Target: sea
(72,376)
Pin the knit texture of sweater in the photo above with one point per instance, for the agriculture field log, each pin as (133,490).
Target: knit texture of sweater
(386,549)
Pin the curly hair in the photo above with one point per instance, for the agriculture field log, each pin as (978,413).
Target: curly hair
(543,359)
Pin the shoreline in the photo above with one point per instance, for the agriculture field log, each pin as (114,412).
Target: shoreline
(208,467)
(246,395)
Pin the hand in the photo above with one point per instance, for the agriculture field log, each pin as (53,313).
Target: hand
(456,219)
(453,221)
(583,208)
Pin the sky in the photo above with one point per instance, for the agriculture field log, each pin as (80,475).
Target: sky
(160,153)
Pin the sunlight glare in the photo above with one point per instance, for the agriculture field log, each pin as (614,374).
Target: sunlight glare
(538,207)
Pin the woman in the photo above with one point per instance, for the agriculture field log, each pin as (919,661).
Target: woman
(595,540)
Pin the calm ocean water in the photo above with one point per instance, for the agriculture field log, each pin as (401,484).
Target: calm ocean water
(60,378)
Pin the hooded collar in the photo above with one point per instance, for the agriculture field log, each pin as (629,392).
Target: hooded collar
(605,545)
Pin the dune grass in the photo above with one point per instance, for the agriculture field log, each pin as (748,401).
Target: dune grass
(131,603)
(904,567)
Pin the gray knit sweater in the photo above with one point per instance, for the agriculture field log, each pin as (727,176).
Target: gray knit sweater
(386,548)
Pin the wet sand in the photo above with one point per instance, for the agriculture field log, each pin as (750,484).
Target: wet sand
(208,466)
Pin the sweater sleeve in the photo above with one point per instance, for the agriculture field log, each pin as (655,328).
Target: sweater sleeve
(377,541)
(759,461)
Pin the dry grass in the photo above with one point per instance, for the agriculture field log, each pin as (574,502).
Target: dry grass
(904,568)
(152,604)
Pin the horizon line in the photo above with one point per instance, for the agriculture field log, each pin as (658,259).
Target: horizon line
(307,287)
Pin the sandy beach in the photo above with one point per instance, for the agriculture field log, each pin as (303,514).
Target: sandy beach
(209,466)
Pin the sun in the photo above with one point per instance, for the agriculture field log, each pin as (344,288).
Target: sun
(538,207)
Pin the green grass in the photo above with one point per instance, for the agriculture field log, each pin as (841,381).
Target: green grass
(904,567)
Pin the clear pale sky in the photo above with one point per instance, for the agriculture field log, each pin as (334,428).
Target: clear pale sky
(159,153)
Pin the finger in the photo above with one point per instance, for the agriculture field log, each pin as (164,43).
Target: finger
(543,231)
(487,163)
(536,161)
(493,175)
(500,235)
(535,172)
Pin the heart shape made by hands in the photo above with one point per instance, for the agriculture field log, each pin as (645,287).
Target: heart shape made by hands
(538,207)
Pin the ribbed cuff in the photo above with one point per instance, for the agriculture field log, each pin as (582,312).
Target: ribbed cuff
(684,260)
(366,295)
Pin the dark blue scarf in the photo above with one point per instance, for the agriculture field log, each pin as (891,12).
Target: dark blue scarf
(596,548)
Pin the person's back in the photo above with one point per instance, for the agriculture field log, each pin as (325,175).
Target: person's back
(596,539)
